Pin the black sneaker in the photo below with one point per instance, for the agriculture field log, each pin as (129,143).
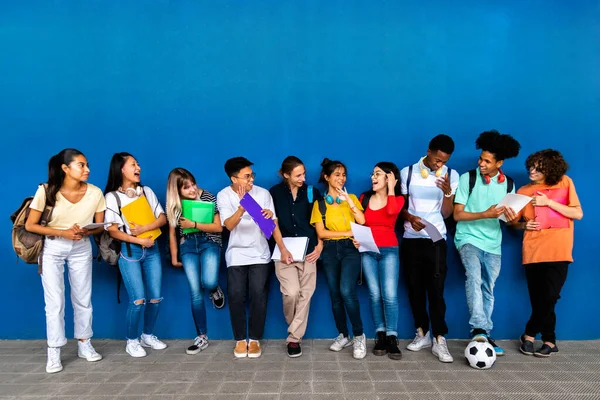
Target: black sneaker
(200,343)
(526,346)
(218,298)
(380,348)
(546,350)
(294,350)
(393,351)
(499,350)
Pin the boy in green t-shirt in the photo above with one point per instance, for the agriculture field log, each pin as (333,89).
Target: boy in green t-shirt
(478,235)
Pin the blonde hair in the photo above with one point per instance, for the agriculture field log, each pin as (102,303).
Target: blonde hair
(177,178)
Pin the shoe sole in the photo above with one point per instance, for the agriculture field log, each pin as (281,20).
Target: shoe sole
(294,355)
(54,371)
(480,339)
(394,356)
(91,359)
(420,348)
(527,353)
(359,357)
(152,347)
(540,355)
(254,355)
(136,355)
(380,352)
(345,346)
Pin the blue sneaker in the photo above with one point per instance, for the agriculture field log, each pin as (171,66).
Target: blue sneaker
(479,335)
(499,350)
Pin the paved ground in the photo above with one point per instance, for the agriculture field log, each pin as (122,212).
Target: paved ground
(574,373)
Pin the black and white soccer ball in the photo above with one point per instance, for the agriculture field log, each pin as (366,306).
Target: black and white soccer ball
(480,355)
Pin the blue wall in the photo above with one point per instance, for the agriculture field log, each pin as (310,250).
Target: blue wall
(192,83)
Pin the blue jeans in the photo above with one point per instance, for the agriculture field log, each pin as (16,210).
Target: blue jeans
(381,272)
(142,276)
(200,257)
(482,269)
(341,263)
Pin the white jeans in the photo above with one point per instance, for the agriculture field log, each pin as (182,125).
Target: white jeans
(78,256)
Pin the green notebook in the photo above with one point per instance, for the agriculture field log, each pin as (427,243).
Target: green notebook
(202,212)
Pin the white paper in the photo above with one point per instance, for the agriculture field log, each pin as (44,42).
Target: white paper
(295,245)
(432,231)
(514,201)
(364,236)
(97,225)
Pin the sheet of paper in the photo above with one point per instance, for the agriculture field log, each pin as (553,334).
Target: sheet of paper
(432,231)
(267,225)
(295,245)
(514,201)
(364,236)
(97,225)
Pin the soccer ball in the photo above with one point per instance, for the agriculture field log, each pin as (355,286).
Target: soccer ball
(480,355)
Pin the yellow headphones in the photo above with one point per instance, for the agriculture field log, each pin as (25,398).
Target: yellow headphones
(425,171)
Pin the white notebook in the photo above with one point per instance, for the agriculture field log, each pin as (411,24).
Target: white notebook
(295,245)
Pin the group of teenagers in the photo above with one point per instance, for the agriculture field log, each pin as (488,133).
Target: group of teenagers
(426,192)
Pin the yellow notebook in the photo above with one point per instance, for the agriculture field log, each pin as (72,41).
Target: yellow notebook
(140,213)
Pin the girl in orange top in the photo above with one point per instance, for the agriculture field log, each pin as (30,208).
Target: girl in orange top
(547,243)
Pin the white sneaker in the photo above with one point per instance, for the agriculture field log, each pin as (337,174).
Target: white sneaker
(152,341)
(200,343)
(53,365)
(420,341)
(360,347)
(134,348)
(340,343)
(87,351)
(440,349)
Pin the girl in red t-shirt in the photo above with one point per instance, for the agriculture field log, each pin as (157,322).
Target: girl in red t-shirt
(382,206)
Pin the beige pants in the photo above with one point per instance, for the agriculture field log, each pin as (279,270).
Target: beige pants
(298,282)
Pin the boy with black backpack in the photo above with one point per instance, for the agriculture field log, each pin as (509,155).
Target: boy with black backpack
(428,187)
(478,234)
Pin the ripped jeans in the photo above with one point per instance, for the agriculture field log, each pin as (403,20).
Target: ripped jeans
(142,276)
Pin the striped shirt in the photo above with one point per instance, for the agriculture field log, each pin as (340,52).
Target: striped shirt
(425,199)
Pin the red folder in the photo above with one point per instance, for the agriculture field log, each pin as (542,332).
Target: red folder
(547,217)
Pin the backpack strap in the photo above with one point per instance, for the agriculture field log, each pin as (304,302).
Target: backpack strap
(408,179)
(127,244)
(472,178)
(510,184)
(309,194)
(47,214)
(322,210)
(365,197)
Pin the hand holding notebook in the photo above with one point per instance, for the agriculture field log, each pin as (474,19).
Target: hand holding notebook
(139,213)
(545,215)
(267,225)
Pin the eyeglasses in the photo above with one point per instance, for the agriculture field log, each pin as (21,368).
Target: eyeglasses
(247,176)
(377,174)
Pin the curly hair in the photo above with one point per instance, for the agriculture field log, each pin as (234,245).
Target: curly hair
(500,145)
(550,163)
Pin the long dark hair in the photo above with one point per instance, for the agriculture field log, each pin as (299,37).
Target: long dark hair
(115,176)
(56,175)
(288,165)
(388,167)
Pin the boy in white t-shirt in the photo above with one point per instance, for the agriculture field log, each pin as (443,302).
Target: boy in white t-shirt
(247,255)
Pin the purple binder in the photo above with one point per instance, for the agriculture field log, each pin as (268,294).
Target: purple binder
(266,225)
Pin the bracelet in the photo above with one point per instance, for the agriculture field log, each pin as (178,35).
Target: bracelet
(195,225)
(448,195)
